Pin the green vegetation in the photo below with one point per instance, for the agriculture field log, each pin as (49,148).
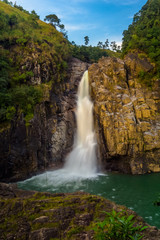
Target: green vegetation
(88,53)
(86,40)
(92,54)
(26,44)
(144,33)
(71,216)
(56,22)
(118,226)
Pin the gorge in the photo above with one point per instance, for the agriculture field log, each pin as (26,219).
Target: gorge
(79,172)
(126,120)
(70,126)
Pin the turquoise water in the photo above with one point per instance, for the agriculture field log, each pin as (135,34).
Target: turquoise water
(136,192)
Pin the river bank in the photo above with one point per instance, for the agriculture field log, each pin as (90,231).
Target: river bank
(35,215)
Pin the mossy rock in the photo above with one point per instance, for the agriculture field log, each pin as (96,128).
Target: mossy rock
(33,215)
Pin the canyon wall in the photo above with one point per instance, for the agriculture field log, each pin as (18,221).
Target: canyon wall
(127,115)
(29,148)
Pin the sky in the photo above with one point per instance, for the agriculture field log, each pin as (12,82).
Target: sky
(97,19)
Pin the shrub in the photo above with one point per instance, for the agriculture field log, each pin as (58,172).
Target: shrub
(118,227)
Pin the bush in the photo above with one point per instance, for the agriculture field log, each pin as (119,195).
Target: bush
(118,227)
(88,53)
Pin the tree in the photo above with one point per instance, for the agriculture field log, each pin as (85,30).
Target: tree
(113,45)
(106,43)
(86,40)
(34,14)
(13,20)
(100,44)
(6,1)
(53,20)
(73,43)
(56,22)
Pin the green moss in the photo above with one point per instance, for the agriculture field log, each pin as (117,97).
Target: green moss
(37,226)
(146,79)
(64,213)
(73,231)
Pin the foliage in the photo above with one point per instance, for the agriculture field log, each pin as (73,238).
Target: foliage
(118,226)
(25,41)
(86,40)
(92,54)
(88,53)
(56,22)
(146,78)
(113,46)
(23,35)
(33,13)
(144,32)
(53,20)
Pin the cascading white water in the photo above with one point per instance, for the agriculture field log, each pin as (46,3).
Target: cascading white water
(82,160)
(81,164)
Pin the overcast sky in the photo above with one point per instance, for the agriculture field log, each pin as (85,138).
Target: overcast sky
(98,19)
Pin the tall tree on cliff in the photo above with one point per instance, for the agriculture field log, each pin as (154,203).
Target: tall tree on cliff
(56,22)
(86,40)
(53,20)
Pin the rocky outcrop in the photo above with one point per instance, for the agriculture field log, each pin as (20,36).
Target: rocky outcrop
(33,215)
(24,149)
(127,115)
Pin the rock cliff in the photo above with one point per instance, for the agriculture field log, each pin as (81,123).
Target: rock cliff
(127,115)
(24,149)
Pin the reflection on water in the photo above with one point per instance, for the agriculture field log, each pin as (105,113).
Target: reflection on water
(136,192)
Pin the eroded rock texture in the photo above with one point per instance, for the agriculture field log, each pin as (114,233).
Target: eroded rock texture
(127,115)
(31,215)
(25,150)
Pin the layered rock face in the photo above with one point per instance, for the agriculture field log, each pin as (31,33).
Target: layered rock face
(25,150)
(127,115)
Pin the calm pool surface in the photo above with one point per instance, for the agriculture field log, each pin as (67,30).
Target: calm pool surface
(136,192)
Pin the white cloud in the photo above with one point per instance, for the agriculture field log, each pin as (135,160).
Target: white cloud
(121,2)
(77,27)
(60,8)
(67,12)
(81,1)
(130,17)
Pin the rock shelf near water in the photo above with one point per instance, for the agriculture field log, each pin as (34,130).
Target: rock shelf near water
(34,215)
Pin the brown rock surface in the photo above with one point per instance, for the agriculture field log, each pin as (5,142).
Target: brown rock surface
(32,215)
(127,115)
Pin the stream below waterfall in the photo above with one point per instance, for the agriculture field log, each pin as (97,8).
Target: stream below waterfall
(136,192)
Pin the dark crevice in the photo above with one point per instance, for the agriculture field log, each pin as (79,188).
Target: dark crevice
(127,79)
(127,76)
(135,115)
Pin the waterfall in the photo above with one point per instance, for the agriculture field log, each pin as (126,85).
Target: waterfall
(82,160)
(81,163)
